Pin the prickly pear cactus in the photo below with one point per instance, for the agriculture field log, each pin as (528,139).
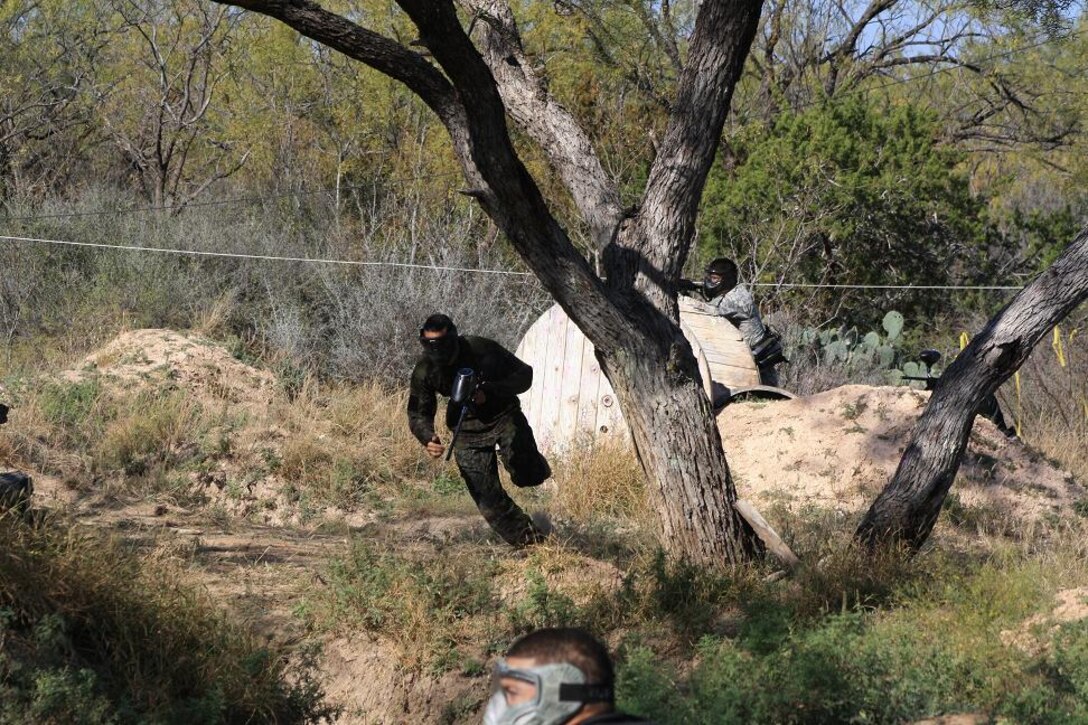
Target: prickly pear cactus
(836,351)
(893,325)
(850,349)
(886,356)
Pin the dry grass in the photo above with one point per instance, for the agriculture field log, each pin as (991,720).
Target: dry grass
(54,426)
(341,441)
(152,430)
(372,419)
(131,635)
(1049,406)
(602,480)
(327,445)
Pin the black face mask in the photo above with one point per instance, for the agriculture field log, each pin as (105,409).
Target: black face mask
(440,349)
(713,288)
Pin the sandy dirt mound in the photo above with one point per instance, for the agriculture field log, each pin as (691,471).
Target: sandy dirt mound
(1070,605)
(839,448)
(155,357)
(366,679)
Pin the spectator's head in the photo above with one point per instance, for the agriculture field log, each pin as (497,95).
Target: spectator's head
(552,677)
(719,277)
(438,336)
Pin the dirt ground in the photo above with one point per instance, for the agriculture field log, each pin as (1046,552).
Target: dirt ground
(838,449)
(834,450)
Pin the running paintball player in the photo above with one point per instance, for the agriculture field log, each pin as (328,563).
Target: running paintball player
(489,423)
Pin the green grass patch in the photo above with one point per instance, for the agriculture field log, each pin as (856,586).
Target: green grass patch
(77,411)
(428,606)
(934,645)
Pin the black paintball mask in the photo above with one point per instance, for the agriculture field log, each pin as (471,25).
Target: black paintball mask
(719,277)
(442,349)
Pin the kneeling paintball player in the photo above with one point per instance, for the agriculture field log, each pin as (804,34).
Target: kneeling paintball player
(721,289)
(484,417)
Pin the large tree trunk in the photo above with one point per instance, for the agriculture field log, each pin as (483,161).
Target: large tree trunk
(680,449)
(633,319)
(907,509)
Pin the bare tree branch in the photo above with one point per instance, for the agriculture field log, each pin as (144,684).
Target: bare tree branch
(364,45)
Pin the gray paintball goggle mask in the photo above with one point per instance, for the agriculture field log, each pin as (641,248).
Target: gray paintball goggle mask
(561,691)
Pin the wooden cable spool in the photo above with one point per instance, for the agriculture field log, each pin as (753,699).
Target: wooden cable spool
(571,400)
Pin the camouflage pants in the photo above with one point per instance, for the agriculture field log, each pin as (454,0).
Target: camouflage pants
(477,460)
(768,376)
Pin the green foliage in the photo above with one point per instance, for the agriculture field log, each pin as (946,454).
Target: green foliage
(49,688)
(70,405)
(542,607)
(820,195)
(1067,664)
(378,590)
(685,594)
(939,650)
(446,484)
(1059,692)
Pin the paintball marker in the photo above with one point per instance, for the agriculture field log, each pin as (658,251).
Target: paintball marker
(930,358)
(462,393)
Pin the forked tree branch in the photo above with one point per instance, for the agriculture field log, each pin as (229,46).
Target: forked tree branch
(526,97)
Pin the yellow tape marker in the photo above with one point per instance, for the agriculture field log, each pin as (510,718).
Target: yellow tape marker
(1059,350)
(1019,416)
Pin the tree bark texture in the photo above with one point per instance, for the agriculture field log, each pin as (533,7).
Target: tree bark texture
(907,509)
(632,319)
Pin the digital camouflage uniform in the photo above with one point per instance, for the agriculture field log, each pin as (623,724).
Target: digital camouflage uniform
(739,307)
(498,423)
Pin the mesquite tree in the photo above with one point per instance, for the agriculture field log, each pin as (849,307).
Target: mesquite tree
(474,76)
(907,508)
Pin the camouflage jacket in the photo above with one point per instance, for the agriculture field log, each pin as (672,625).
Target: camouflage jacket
(739,307)
(503,378)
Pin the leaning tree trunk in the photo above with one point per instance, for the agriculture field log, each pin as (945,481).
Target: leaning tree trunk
(907,509)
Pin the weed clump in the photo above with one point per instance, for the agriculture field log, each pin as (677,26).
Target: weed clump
(92,633)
